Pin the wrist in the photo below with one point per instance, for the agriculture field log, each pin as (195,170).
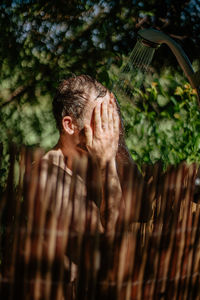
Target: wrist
(110,163)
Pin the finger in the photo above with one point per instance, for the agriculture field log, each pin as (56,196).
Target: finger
(104,115)
(114,101)
(110,116)
(115,121)
(88,135)
(97,118)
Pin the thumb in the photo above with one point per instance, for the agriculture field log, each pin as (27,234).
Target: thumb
(88,135)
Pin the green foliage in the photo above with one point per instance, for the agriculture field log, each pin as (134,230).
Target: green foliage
(42,41)
(164,123)
(28,124)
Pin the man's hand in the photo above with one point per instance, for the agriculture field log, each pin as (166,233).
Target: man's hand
(102,143)
(102,139)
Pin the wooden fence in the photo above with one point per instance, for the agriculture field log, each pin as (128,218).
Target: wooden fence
(52,245)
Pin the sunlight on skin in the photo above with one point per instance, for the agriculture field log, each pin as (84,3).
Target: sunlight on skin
(100,125)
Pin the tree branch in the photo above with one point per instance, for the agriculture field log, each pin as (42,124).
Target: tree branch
(19,91)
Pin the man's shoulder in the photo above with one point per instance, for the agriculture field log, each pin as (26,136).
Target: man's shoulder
(55,158)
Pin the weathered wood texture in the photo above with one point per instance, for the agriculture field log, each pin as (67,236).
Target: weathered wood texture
(52,246)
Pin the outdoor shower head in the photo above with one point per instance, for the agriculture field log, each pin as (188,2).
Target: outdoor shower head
(153,38)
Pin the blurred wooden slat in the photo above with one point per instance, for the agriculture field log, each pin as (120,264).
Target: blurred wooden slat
(52,233)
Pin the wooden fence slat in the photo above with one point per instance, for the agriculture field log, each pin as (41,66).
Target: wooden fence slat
(53,229)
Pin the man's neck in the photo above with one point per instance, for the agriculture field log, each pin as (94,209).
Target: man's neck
(69,149)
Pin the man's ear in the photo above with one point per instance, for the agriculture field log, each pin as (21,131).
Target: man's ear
(68,125)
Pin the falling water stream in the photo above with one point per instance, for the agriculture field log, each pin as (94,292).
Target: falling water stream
(132,72)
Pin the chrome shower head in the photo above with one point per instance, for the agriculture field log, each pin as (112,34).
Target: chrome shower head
(153,38)
(148,43)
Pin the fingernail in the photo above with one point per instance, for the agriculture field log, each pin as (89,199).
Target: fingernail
(112,95)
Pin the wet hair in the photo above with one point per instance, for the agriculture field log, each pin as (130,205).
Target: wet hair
(72,96)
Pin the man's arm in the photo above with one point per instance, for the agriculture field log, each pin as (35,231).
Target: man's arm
(102,144)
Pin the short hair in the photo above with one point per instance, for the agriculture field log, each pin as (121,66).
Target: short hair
(71,97)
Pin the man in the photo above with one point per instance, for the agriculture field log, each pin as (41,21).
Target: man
(88,121)
(82,190)
(87,117)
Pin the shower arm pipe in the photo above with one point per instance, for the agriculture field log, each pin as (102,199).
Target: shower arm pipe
(158,37)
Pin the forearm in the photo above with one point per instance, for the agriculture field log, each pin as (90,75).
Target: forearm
(111,196)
